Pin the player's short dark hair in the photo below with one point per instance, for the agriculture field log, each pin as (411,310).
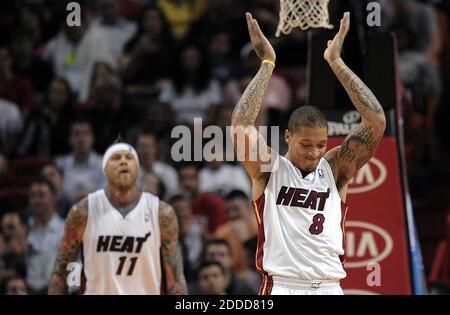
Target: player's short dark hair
(236,193)
(41,180)
(207,264)
(307,116)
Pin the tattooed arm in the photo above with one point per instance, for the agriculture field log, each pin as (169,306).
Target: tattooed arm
(70,245)
(172,261)
(360,145)
(250,145)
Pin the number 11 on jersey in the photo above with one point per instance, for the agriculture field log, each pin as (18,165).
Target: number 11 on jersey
(122,260)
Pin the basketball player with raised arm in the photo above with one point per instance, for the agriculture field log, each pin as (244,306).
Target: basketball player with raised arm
(128,238)
(299,198)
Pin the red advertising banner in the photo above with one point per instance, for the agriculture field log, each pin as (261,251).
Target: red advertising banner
(376,244)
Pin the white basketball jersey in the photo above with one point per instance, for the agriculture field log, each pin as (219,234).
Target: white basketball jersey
(122,254)
(300,224)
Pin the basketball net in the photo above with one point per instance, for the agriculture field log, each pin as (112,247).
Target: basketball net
(303,14)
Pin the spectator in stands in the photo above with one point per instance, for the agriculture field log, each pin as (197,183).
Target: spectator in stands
(147,149)
(219,250)
(211,279)
(102,73)
(221,177)
(54,174)
(116,29)
(148,55)
(46,131)
(14,234)
(83,167)
(208,209)
(11,123)
(416,27)
(11,265)
(112,117)
(222,119)
(277,100)
(223,67)
(191,92)
(220,15)
(191,235)
(27,64)
(46,229)
(181,13)
(31,20)
(73,53)
(241,234)
(16,285)
(14,88)
(152,183)
(158,118)
(416,20)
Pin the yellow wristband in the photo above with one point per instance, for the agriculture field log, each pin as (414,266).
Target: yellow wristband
(269,62)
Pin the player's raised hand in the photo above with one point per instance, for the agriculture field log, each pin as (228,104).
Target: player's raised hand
(261,44)
(334,47)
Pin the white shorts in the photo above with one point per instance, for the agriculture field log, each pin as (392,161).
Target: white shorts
(284,286)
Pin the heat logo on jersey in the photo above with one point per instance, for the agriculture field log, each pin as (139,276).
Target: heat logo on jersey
(304,198)
(120,243)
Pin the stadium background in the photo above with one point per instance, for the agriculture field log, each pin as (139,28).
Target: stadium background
(138,68)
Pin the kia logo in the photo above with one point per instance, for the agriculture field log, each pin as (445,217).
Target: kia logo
(368,177)
(365,243)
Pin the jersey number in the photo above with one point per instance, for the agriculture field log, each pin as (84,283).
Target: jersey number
(317,225)
(122,263)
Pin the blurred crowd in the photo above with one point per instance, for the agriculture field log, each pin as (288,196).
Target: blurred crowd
(137,68)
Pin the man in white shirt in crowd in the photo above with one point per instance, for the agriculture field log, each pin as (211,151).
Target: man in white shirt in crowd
(75,50)
(222,178)
(116,29)
(46,229)
(147,149)
(83,167)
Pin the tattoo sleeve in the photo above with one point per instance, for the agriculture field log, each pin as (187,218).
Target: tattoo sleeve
(172,261)
(362,97)
(247,109)
(360,145)
(250,146)
(70,245)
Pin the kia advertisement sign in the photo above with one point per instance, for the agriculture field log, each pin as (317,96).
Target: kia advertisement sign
(369,177)
(366,243)
(376,244)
